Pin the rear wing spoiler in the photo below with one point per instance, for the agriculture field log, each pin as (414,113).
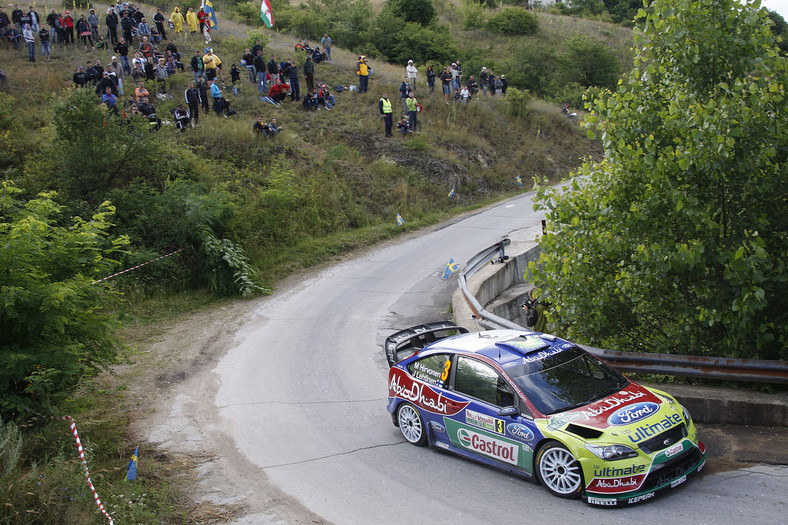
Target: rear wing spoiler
(417,337)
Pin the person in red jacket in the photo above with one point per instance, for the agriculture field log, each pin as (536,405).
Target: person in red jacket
(278,91)
(202,17)
(68,22)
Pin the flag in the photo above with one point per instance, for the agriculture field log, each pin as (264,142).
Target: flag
(450,268)
(266,14)
(207,6)
(400,220)
(132,474)
(451,193)
(519,180)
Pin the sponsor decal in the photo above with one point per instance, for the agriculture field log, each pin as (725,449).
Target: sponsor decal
(484,421)
(616,485)
(612,402)
(559,420)
(488,446)
(602,501)
(646,431)
(677,482)
(441,444)
(527,448)
(675,449)
(520,431)
(541,354)
(700,467)
(643,497)
(427,374)
(610,472)
(530,344)
(437,427)
(403,386)
(633,413)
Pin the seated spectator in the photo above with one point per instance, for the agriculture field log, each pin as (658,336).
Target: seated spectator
(317,56)
(278,92)
(147,109)
(404,126)
(220,104)
(110,100)
(181,116)
(274,128)
(326,95)
(173,49)
(465,95)
(13,35)
(261,126)
(310,101)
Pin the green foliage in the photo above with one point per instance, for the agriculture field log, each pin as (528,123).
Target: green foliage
(513,21)
(420,12)
(10,448)
(517,101)
(623,11)
(780,29)
(474,15)
(676,242)
(52,328)
(589,63)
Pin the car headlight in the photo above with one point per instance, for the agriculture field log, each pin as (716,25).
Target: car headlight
(686,415)
(611,452)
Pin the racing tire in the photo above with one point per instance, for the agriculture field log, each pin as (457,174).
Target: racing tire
(411,424)
(558,471)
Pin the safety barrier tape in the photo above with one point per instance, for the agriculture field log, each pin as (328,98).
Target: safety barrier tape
(138,266)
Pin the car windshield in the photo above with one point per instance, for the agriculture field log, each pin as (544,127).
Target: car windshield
(555,381)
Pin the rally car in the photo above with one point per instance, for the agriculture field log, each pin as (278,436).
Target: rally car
(542,407)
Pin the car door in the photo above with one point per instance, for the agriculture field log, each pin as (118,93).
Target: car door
(481,430)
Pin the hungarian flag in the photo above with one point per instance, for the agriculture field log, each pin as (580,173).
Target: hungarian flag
(266,14)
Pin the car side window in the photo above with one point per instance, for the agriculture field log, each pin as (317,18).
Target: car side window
(433,369)
(481,381)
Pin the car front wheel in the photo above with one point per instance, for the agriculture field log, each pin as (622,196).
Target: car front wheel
(411,425)
(559,471)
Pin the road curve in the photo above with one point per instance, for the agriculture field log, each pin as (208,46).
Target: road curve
(302,397)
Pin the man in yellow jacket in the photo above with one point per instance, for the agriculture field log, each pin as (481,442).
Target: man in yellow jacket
(191,20)
(212,65)
(177,20)
(362,70)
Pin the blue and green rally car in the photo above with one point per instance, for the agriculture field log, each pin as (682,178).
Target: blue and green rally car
(541,407)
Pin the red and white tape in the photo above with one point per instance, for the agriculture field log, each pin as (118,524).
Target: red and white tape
(85,465)
(138,266)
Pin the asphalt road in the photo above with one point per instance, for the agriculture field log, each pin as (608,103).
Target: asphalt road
(303,397)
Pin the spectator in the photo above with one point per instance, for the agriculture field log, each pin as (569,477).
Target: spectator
(112,22)
(384,108)
(126,26)
(404,126)
(310,101)
(445,77)
(260,67)
(273,68)
(455,76)
(16,17)
(172,48)
(491,82)
(247,60)
(220,105)
(202,86)
(93,22)
(212,65)
(473,88)
(83,31)
(177,20)
(146,49)
(235,78)
(317,56)
(34,20)
(68,24)
(160,71)
(181,117)
(326,41)
(291,71)
(404,91)
(12,35)
(202,16)
(147,109)
(80,79)
(159,20)
(122,49)
(110,100)
(51,22)
(274,127)
(196,64)
(193,101)
(309,73)
(30,41)
(278,92)
(431,78)
(363,71)
(46,49)
(325,94)
(116,69)
(413,111)
(498,85)
(465,95)
(104,83)
(191,21)
(411,72)
(140,92)
(143,30)
(484,80)
(260,126)
(504,84)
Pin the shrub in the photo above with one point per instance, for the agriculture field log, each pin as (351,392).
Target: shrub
(474,15)
(517,101)
(513,21)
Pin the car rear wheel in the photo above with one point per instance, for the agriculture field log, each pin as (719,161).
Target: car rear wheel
(411,425)
(559,471)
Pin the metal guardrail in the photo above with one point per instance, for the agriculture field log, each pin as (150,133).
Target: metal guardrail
(730,369)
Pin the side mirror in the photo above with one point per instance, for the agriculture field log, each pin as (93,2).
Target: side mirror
(508,411)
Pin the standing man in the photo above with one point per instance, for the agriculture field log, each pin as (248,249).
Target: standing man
(326,41)
(197,65)
(445,77)
(411,72)
(292,74)
(158,19)
(362,70)
(260,68)
(126,25)
(309,74)
(193,101)
(35,20)
(191,21)
(30,40)
(52,22)
(202,16)
(384,108)
(112,25)
(122,49)
(413,111)
(93,22)
(16,17)
(46,49)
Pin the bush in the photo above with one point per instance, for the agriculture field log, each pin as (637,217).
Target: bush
(589,62)
(517,101)
(513,21)
(474,15)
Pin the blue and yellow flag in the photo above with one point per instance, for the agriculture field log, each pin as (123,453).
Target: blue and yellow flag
(451,193)
(207,6)
(132,473)
(450,268)
(519,180)
(400,220)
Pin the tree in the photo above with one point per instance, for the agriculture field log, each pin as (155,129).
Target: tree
(513,21)
(53,330)
(417,11)
(589,62)
(676,241)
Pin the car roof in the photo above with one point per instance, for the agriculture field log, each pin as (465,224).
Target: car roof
(503,346)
